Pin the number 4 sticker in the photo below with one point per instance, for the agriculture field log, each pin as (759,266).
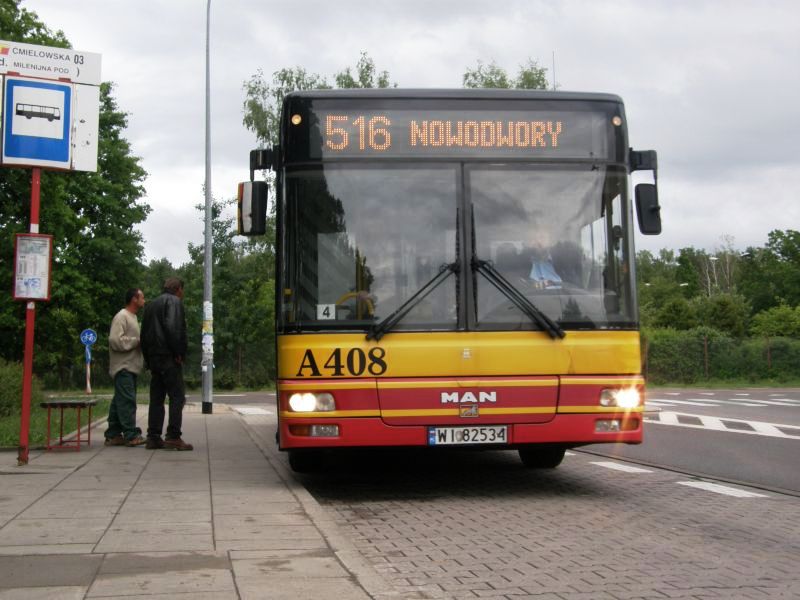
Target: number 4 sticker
(326,311)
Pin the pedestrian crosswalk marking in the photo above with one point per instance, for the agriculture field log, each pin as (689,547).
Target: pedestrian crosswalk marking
(724,424)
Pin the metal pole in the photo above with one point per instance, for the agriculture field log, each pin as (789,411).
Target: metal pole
(30,323)
(207,361)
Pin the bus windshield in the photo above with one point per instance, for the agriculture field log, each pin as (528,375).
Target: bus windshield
(560,236)
(361,239)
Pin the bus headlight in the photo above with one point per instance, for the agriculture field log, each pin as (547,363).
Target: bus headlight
(308,402)
(621,398)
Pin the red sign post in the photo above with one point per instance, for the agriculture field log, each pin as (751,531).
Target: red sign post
(32,259)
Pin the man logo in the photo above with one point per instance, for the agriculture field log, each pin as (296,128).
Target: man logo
(468,410)
(456,398)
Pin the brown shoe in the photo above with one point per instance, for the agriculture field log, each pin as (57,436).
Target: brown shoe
(137,441)
(154,443)
(177,444)
(115,441)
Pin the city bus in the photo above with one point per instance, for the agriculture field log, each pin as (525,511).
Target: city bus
(454,268)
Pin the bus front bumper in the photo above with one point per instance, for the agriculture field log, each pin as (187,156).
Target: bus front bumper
(566,429)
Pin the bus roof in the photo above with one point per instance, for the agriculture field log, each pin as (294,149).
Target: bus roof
(457,93)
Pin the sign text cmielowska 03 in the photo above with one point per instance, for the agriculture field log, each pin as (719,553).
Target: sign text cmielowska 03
(455,268)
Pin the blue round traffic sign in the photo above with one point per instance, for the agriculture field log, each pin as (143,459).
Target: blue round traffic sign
(88,337)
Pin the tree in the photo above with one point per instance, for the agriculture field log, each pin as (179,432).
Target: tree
(365,69)
(263,101)
(771,275)
(778,321)
(97,252)
(530,77)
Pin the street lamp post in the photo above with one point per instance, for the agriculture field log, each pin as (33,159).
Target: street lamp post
(207,360)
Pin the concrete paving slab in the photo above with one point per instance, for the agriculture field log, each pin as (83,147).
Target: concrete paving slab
(156,562)
(96,483)
(108,497)
(44,593)
(43,571)
(255,524)
(258,588)
(31,532)
(46,549)
(283,563)
(271,544)
(129,517)
(11,505)
(226,505)
(271,532)
(216,595)
(164,484)
(15,486)
(160,500)
(53,510)
(272,494)
(147,543)
(191,583)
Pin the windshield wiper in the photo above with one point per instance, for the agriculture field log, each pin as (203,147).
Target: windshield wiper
(494,276)
(378,331)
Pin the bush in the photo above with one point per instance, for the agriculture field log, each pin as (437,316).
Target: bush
(11,388)
(702,353)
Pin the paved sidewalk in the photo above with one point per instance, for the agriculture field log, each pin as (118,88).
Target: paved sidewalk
(224,521)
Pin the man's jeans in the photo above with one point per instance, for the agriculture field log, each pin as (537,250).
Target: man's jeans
(166,381)
(122,412)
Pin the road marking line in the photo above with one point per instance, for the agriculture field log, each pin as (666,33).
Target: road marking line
(696,402)
(251,410)
(568,453)
(707,393)
(721,489)
(673,393)
(778,402)
(619,467)
(747,402)
(742,394)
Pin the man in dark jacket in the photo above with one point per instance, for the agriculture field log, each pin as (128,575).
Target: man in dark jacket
(164,349)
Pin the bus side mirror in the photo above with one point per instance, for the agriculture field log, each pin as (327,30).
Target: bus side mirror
(648,210)
(252,208)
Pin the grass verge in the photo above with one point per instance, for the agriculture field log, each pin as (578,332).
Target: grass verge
(9,426)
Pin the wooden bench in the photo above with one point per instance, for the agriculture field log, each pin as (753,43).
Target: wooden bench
(76,404)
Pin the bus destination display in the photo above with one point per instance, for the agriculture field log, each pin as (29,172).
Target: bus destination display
(432,133)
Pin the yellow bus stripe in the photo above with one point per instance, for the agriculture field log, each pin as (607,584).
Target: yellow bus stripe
(602,381)
(313,385)
(467,383)
(598,409)
(330,414)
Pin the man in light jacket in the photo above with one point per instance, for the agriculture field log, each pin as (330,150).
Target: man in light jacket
(124,365)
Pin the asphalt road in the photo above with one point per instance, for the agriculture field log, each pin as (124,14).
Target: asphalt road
(750,436)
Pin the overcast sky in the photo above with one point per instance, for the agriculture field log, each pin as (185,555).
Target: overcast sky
(713,86)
